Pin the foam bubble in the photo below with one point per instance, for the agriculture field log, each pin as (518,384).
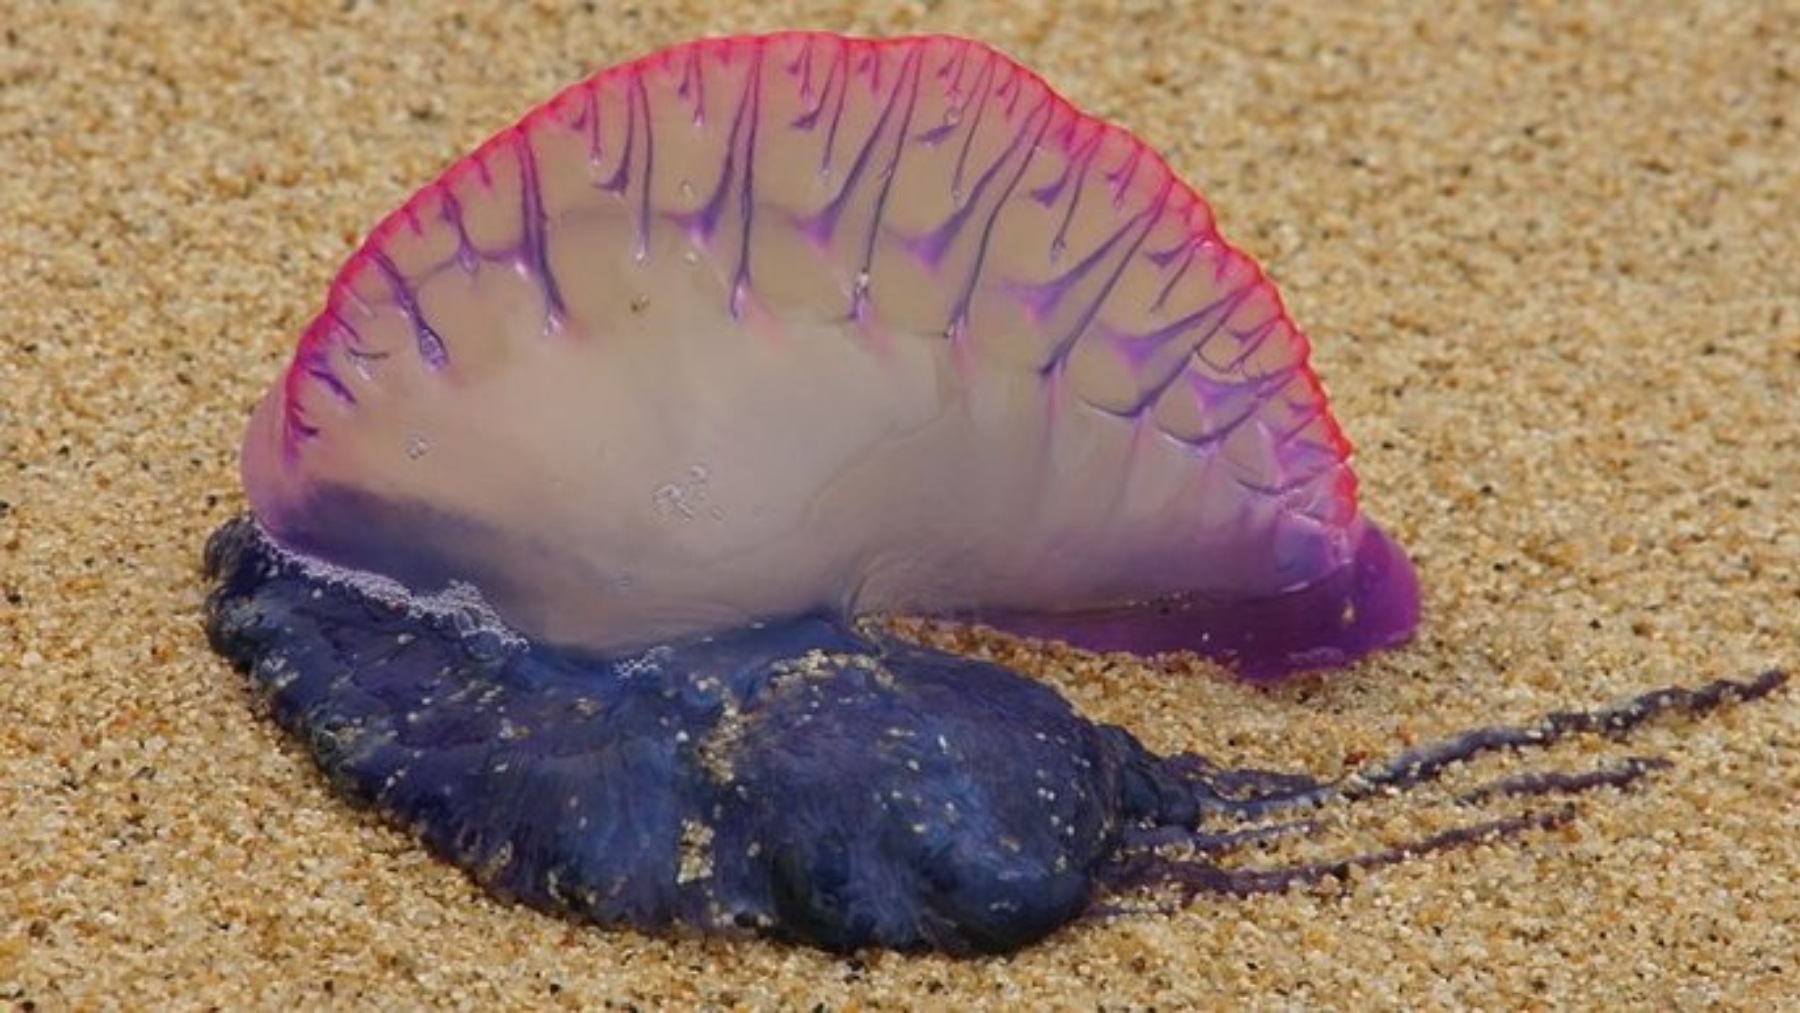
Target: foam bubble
(459,603)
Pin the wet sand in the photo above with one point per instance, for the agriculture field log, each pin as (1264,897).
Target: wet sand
(1547,260)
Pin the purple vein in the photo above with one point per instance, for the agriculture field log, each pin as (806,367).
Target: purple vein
(1149,217)
(934,243)
(537,250)
(642,105)
(840,71)
(802,67)
(750,109)
(466,257)
(892,169)
(317,364)
(345,336)
(431,346)
(1143,346)
(1246,406)
(1121,177)
(1012,89)
(693,84)
(828,217)
(812,95)
(352,337)
(590,120)
(1184,250)
(1249,341)
(621,175)
(961,310)
(1081,161)
(980,104)
(1045,297)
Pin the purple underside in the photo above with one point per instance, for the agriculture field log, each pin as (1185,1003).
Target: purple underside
(1369,604)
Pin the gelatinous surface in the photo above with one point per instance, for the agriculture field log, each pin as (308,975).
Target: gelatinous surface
(763,327)
(569,505)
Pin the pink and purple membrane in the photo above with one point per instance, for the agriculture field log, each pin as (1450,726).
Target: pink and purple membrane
(572,509)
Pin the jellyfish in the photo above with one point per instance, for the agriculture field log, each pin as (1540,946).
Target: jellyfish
(577,514)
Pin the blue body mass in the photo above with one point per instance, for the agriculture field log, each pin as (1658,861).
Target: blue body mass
(800,779)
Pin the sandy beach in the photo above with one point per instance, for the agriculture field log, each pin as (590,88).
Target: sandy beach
(1547,258)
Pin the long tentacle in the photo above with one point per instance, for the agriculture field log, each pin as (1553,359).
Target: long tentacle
(1142,869)
(1429,762)
(1201,788)
(1251,794)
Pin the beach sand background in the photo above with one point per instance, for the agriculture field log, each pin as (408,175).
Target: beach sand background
(1547,255)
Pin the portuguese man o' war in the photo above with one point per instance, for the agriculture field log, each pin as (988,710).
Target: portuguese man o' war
(576,512)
